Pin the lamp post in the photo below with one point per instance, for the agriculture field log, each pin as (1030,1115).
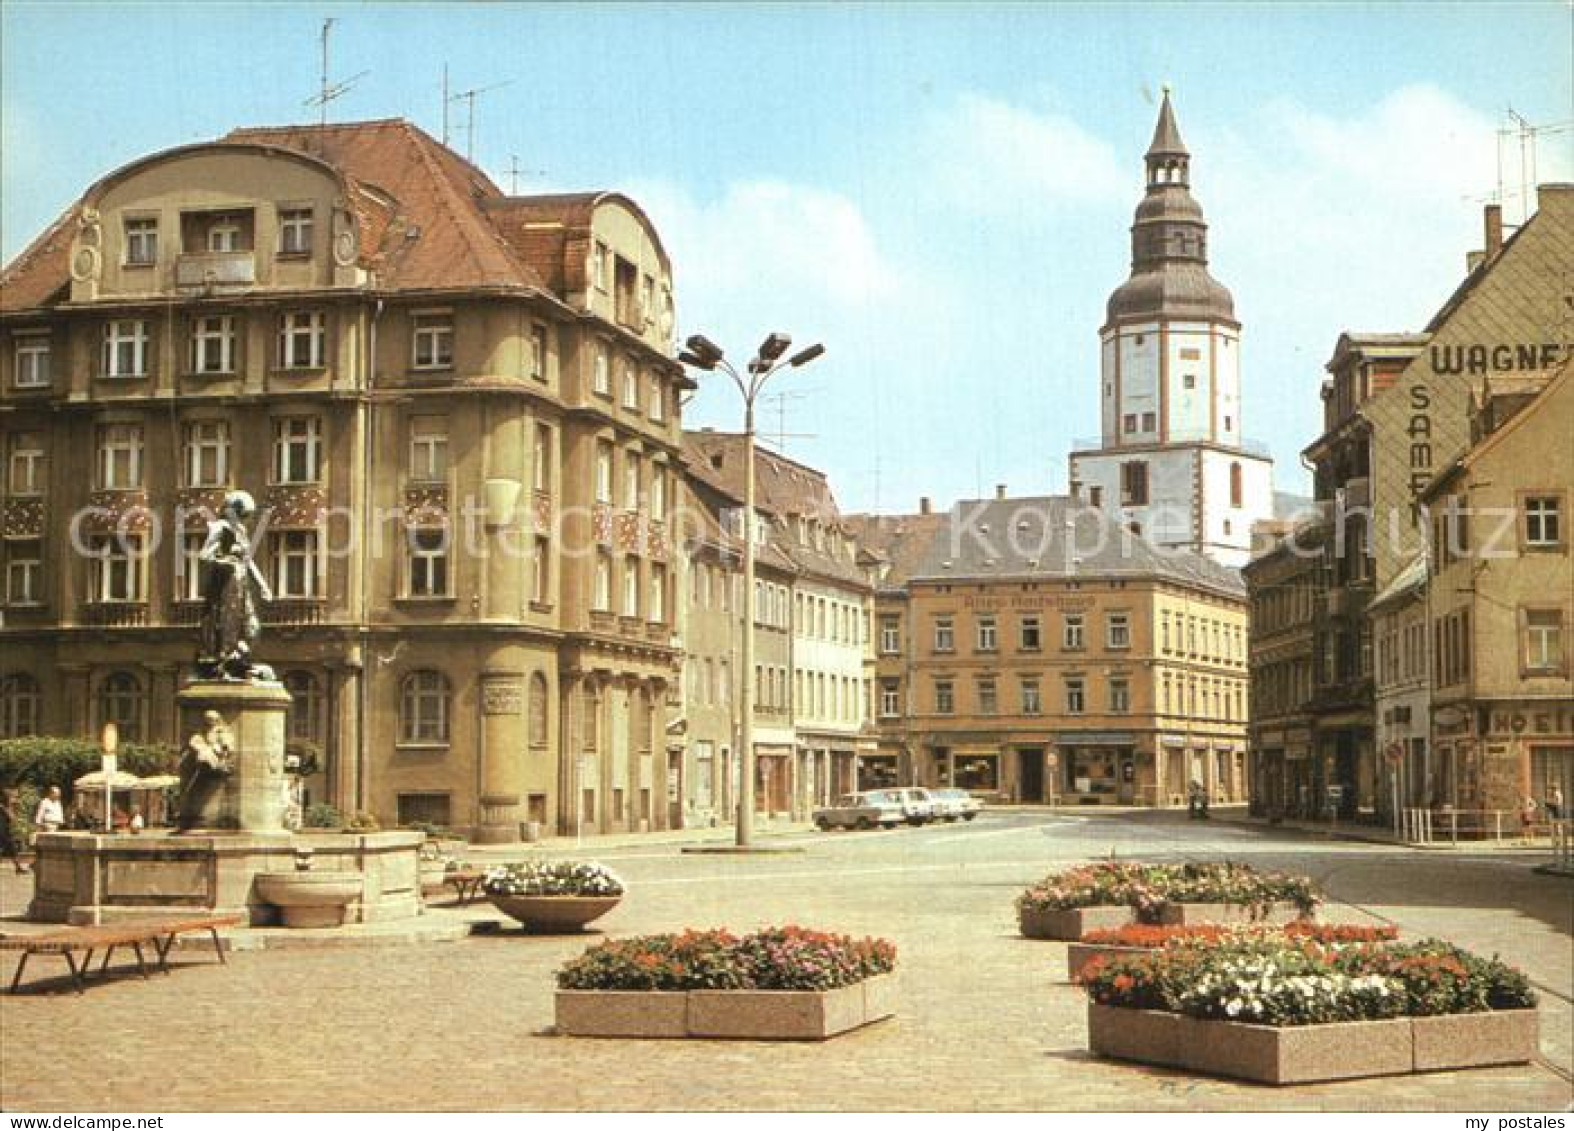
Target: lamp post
(701,353)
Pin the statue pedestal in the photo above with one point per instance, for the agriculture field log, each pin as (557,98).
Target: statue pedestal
(252,797)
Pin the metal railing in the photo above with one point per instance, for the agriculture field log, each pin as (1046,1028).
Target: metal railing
(1433,826)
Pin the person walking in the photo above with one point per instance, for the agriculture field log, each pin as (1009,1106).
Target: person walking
(50,815)
(10,843)
(1555,803)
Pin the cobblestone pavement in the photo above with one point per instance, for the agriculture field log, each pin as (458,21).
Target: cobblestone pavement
(985,1019)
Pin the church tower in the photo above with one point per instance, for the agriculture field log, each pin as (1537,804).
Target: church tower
(1171,461)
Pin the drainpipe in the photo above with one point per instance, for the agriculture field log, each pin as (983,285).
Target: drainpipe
(367,667)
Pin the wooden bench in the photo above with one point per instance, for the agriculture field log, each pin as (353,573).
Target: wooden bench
(467,882)
(72,942)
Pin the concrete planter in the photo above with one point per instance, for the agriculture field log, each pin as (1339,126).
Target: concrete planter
(1302,1054)
(554,914)
(1274,914)
(1472,1040)
(1073,923)
(1079,954)
(310,899)
(746,1015)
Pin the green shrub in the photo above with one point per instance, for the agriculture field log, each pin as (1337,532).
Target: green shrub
(42,761)
(321,815)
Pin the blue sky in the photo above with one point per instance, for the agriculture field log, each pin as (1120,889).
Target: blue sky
(939,192)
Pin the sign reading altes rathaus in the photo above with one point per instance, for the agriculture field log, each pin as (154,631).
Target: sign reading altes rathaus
(1511,315)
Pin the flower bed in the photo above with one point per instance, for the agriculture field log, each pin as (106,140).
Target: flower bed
(1137,938)
(1226,1007)
(781,983)
(1110,893)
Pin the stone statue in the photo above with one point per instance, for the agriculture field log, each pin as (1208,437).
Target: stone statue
(204,765)
(231,585)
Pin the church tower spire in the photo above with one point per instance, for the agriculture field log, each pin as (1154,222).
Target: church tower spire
(1171,460)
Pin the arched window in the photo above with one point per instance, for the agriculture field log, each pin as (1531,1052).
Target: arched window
(538,710)
(1235,484)
(423,709)
(19,706)
(120,702)
(306,710)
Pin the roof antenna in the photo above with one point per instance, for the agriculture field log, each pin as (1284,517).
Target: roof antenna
(326,93)
(469,99)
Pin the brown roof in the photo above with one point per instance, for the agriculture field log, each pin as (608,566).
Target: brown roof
(37,276)
(898,541)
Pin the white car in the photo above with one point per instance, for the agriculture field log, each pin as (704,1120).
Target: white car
(955,804)
(917,805)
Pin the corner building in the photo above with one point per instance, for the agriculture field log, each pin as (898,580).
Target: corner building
(459,416)
(1171,461)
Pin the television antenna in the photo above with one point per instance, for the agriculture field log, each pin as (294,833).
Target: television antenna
(468,97)
(327,92)
(779,403)
(515,172)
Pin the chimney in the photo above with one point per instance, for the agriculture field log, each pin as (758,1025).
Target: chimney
(925,506)
(1492,216)
(1000,490)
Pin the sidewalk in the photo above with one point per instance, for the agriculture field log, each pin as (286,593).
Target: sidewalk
(1373,834)
(664,838)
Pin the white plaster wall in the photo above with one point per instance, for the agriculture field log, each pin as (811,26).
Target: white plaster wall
(1233,547)
(1167,518)
(835,659)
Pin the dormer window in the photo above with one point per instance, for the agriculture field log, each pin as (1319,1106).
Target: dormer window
(295,231)
(216,233)
(141,241)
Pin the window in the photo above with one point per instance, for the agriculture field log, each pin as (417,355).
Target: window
(541,460)
(658,399)
(1072,635)
(1032,702)
(1149,422)
(1119,630)
(631,587)
(120,702)
(191,572)
(20,706)
(225,235)
(1544,640)
(1096,496)
(890,699)
(24,571)
(988,697)
(603,593)
(890,636)
(601,374)
(32,361)
(945,640)
(603,471)
(600,265)
(986,634)
(538,352)
(207,462)
(120,457)
(1235,485)
(428,562)
(1543,521)
(297,449)
(213,344)
(1076,695)
(658,593)
(541,571)
(141,241)
(306,706)
(1134,483)
(429,449)
(1189,381)
(295,564)
(630,385)
(118,568)
(945,697)
(1164,632)
(301,336)
(423,709)
(295,231)
(1119,696)
(630,481)
(125,348)
(538,709)
(1130,423)
(432,345)
(26,475)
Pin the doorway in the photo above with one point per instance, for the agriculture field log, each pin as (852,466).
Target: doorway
(1030,774)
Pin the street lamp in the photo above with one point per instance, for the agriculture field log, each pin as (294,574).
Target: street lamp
(700,352)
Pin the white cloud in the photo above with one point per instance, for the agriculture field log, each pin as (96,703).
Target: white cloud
(992,156)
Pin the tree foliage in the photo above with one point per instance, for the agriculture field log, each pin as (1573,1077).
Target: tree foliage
(41,761)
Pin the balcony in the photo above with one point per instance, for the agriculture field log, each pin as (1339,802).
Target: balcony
(115,614)
(603,621)
(209,269)
(293,611)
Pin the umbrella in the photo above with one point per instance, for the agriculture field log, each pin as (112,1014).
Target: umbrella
(120,780)
(158,781)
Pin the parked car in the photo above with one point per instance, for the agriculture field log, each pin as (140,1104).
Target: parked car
(917,805)
(876,808)
(955,804)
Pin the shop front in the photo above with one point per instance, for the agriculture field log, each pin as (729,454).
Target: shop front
(1097,767)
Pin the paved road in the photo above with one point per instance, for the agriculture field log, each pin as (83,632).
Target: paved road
(985,1020)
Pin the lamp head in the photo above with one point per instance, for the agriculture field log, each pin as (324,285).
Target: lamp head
(774,346)
(805,356)
(705,352)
